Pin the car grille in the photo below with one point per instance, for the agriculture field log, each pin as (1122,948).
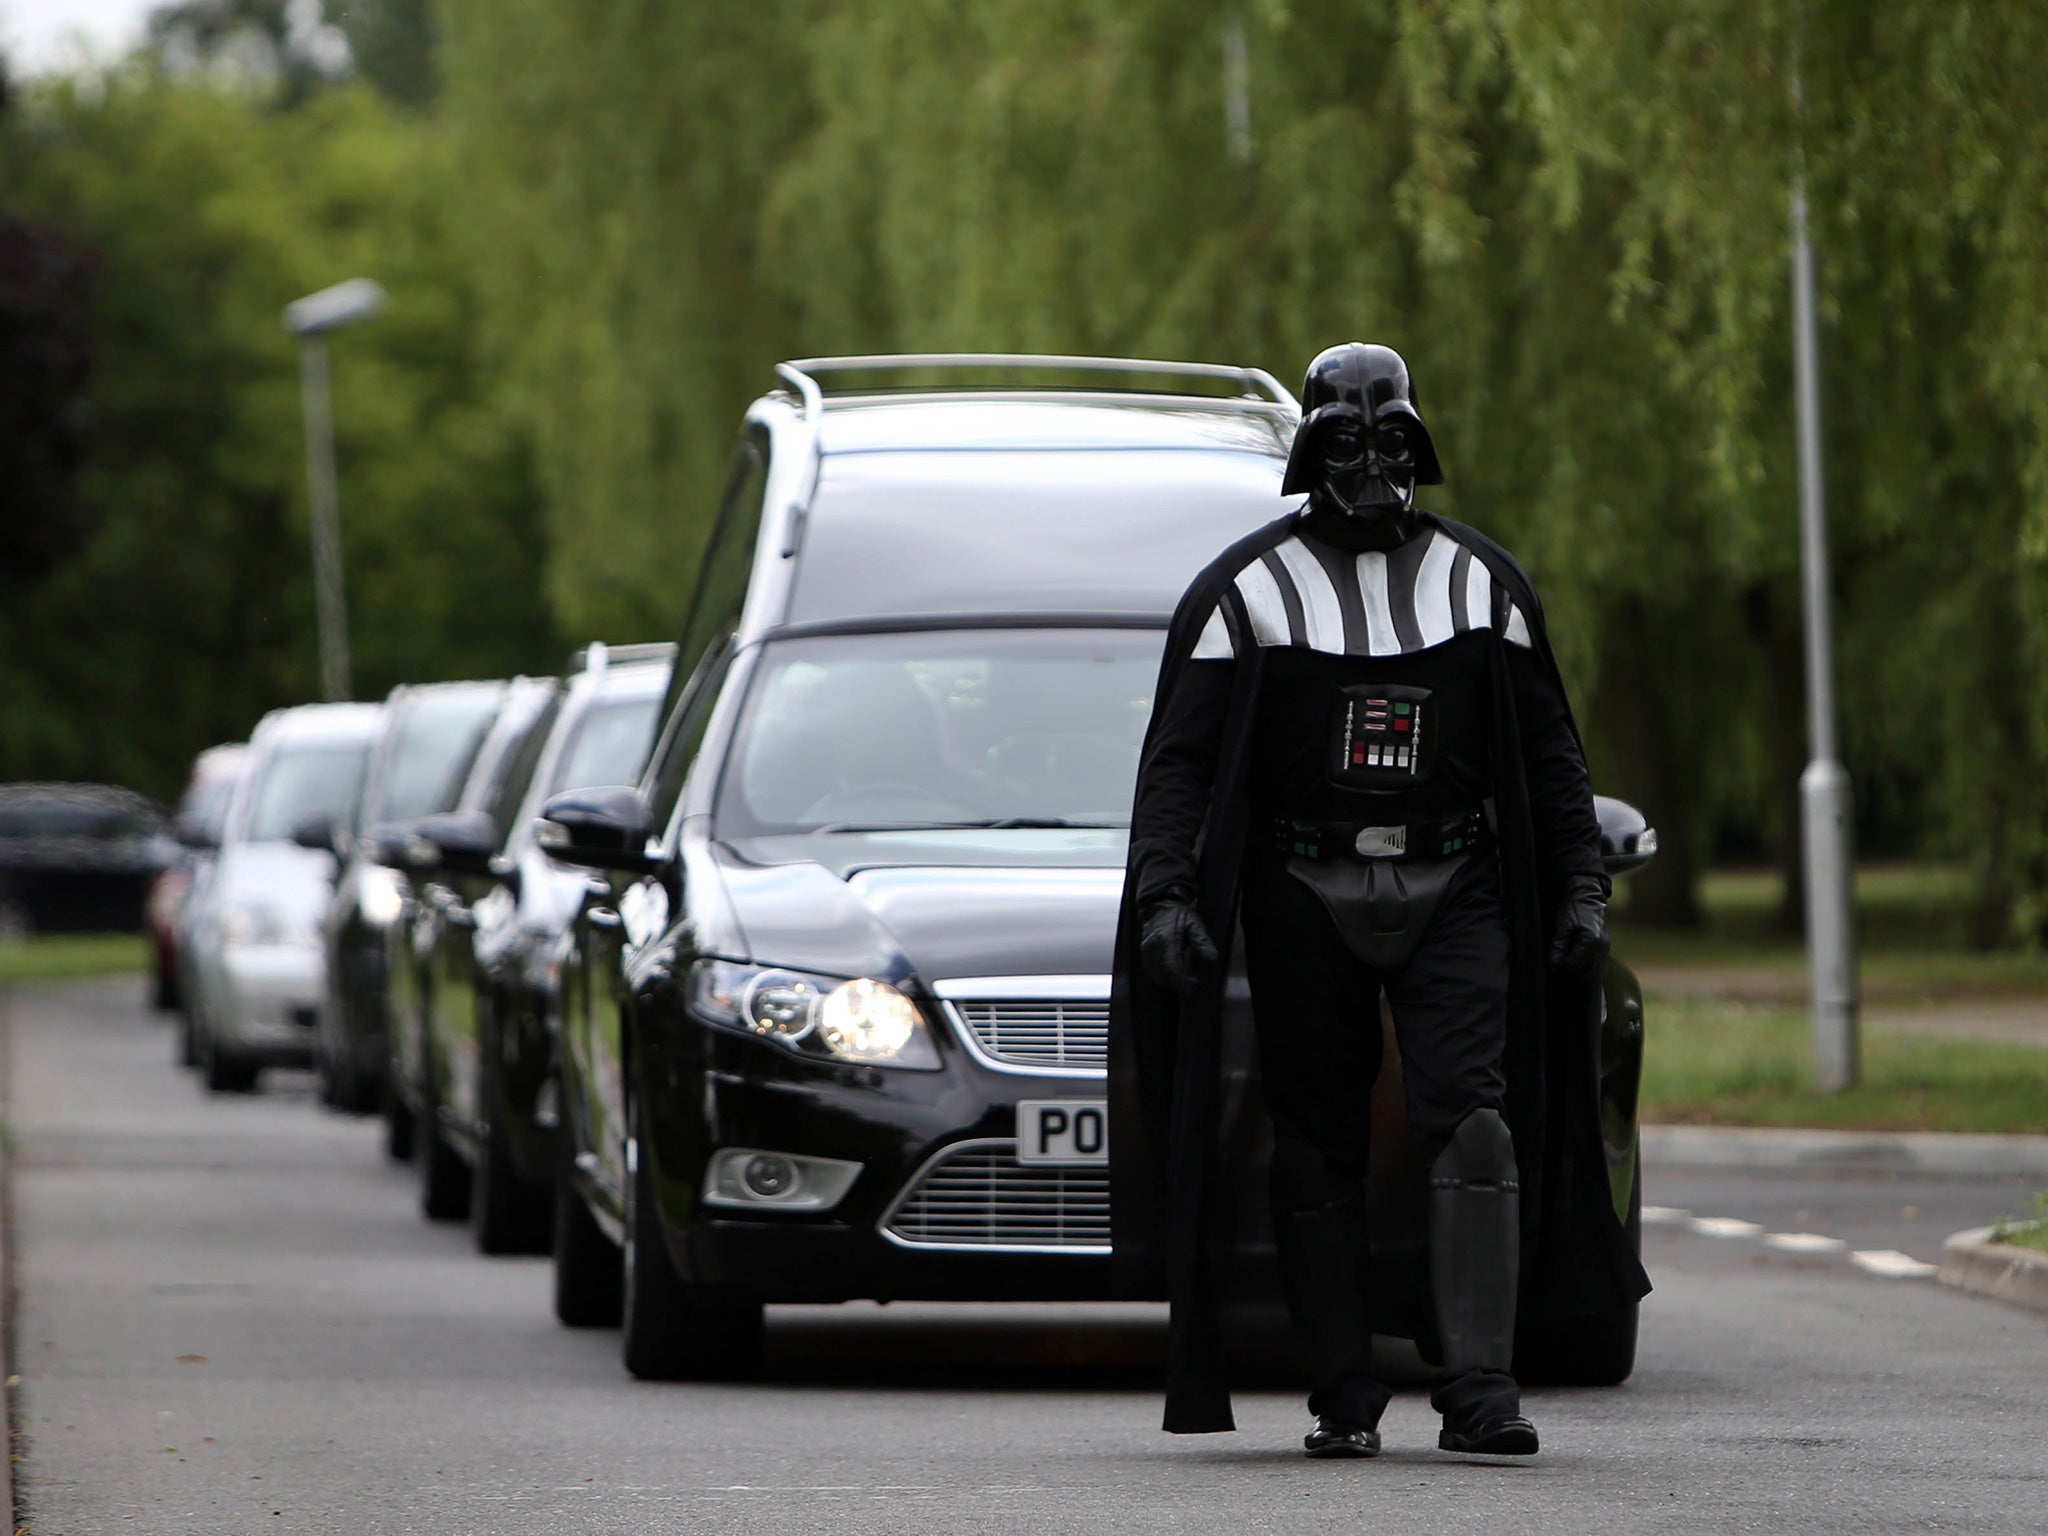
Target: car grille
(1032,1032)
(979,1196)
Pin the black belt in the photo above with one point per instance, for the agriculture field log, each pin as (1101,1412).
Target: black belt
(1435,838)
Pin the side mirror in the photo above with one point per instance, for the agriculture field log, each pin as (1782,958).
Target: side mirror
(1627,840)
(195,835)
(605,828)
(461,842)
(389,845)
(315,832)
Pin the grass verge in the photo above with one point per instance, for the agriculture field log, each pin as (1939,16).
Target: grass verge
(60,956)
(2027,1234)
(1711,1062)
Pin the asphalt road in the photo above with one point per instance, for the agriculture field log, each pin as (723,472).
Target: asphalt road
(231,1319)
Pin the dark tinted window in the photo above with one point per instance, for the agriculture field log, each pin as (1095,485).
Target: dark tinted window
(511,790)
(683,733)
(301,782)
(721,589)
(429,754)
(610,745)
(941,726)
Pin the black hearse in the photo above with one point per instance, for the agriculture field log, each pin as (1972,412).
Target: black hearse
(838,1030)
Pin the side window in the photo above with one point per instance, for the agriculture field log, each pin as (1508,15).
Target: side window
(714,610)
(683,733)
(511,790)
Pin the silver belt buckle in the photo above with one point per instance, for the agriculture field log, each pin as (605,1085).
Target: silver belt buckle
(1382,842)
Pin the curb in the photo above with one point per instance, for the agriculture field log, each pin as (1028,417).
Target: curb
(10,1404)
(1715,1146)
(1970,1261)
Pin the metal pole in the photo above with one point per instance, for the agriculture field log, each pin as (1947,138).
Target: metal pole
(1237,88)
(330,601)
(1824,790)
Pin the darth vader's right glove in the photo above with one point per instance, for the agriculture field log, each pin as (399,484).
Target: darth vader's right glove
(1174,947)
(1578,941)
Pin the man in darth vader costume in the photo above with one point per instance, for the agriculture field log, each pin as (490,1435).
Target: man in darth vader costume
(1361,754)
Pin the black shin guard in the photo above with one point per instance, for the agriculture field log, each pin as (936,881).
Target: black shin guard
(1474,1261)
(1319,1228)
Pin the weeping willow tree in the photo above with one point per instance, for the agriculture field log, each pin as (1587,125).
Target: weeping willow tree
(1569,214)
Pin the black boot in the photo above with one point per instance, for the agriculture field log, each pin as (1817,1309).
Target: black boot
(1333,1438)
(1474,1262)
(1319,1229)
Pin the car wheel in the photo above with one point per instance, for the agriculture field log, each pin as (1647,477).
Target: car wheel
(587,1263)
(674,1331)
(398,1121)
(1599,1350)
(188,1038)
(164,994)
(224,1068)
(444,1176)
(508,1214)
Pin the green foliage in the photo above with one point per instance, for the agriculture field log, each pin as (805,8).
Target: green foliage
(189,611)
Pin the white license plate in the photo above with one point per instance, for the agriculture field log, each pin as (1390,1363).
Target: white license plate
(1069,1131)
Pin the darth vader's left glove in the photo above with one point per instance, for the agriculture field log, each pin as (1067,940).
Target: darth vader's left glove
(1578,937)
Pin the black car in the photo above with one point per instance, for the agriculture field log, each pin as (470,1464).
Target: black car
(431,736)
(841,1029)
(77,858)
(496,920)
(502,755)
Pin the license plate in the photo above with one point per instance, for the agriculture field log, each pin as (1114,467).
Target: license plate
(1074,1132)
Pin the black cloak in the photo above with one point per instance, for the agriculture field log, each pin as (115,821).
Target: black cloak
(1170,1200)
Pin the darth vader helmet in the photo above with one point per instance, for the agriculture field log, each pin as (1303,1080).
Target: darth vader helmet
(1361,447)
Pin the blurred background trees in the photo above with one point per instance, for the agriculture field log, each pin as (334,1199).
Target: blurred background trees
(601,226)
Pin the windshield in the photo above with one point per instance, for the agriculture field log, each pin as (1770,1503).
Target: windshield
(302,782)
(430,752)
(952,728)
(610,746)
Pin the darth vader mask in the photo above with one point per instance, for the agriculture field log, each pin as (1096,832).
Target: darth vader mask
(1361,448)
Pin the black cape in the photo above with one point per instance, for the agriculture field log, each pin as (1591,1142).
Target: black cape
(1172,1196)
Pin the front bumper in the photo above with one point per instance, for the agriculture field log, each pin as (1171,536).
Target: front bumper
(911,1132)
(267,1003)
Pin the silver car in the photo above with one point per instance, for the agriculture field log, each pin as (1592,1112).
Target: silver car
(253,926)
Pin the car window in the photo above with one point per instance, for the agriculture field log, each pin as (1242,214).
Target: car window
(301,782)
(205,806)
(429,754)
(721,591)
(949,727)
(682,735)
(610,745)
(511,790)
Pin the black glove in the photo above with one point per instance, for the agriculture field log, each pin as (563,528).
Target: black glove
(1578,938)
(1174,947)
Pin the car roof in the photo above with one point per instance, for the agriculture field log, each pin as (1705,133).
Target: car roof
(319,722)
(1048,421)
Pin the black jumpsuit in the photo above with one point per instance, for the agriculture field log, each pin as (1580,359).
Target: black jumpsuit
(1393,638)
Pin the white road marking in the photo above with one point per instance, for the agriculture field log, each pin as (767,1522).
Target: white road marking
(1724,1226)
(1803,1242)
(1655,1214)
(1892,1264)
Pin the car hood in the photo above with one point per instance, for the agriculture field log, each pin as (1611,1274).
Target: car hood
(298,881)
(1011,903)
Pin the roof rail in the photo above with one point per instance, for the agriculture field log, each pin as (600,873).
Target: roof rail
(1253,383)
(596,656)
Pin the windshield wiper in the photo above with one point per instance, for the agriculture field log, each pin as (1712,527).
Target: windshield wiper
(994,824)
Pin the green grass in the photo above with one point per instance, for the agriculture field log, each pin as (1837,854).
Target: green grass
(1712,1062)
(60,956)
(2028,1234)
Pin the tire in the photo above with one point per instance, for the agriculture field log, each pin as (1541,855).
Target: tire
(1599,1350)
(224,1069)
(588,1277)
(672,1331)
(164,993)
(444,1176)
(398,1122)
(188,1038)
(507,1214)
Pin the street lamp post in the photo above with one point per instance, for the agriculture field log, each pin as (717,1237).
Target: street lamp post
(1824,789)
(310,319)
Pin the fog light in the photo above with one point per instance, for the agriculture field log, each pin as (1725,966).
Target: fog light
(769,1176)
(753,1177)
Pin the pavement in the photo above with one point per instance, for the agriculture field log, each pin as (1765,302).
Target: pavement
(232,1319)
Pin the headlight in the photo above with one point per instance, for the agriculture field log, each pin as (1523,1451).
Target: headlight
(863,1020)
(258,924)
(378,896)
